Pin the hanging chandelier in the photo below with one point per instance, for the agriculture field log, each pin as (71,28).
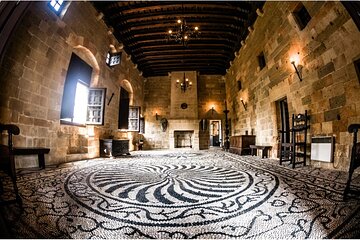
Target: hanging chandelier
(184,85)
(183,33)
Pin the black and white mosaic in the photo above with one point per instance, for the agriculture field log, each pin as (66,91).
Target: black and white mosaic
(206,194)
(169,195)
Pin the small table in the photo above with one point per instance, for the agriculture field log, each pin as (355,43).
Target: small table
(264,149)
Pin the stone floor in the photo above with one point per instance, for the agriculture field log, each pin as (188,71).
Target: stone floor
(183,194)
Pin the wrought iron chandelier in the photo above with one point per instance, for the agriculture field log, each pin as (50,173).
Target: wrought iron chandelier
(184,85)
(183,33)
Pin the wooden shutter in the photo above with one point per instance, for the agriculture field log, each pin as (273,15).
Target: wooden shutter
(124,109)
(134,114)
(78,70)
(96,106)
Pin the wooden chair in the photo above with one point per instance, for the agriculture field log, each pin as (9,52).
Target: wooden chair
(7,160)
(285,147)
(300,125)
(295,150)
(355,158)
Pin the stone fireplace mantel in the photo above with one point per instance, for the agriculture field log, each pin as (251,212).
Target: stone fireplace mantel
(184,125)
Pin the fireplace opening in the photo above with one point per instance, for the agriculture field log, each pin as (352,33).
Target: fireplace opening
(183,139)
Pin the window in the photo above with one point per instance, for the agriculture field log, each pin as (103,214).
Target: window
(238,85)
(134,115)
(261,60)
(59,7)
(357,67)
(302,16)
(353,8)
(95,106)
(81,97)
(123,109)
(81,104)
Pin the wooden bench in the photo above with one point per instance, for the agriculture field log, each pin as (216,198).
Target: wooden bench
(8,153)
(33,151)
(264,150)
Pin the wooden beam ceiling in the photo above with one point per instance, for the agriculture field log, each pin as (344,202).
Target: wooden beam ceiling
(142,28)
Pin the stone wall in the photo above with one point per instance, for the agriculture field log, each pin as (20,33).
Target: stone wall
(326,47)
(211,93)
(33,73)
(158,98)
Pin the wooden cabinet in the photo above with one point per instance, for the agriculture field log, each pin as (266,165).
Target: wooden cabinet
(241,144)
(112,147)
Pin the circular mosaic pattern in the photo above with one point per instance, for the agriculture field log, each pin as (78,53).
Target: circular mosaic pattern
(167,195)
(173,185)
(180,155)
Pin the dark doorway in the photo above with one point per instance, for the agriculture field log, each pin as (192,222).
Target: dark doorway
(284,120)
(215,130)
(353,8)
(124,109)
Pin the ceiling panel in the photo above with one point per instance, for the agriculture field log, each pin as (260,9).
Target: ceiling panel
(142,27)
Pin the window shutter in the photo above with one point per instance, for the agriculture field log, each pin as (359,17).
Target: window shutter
(134,114)
(78,70)
(123,109)
(96,106)
(142,125)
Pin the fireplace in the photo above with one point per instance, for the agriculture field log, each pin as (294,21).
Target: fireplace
(183,139)
(184,134)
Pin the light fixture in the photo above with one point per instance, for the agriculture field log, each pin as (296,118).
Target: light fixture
(212,110)
(243,103)
(183,33)
(113,58)
(294,60)
(112,95)
(298,69)
(156,116)
(184,85)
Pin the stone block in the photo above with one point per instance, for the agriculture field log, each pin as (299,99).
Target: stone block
(316,118)
(306,100)
(327,127)
(41,122)
(325,70)
(29,63)
(316,128)
(340,61)
(337,101)
(26,120)
(16,105)
(331,115)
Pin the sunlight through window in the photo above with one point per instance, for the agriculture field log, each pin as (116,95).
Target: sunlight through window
(56,4)
(81,100)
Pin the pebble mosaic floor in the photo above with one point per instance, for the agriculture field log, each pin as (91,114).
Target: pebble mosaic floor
(183,194)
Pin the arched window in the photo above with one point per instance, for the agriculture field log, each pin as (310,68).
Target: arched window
(80,103)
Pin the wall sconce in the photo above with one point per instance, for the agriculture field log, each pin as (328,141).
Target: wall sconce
(294,60)
(297,70)
(112,95)
(212,110)
(113,59)
(243,103)
(156,116)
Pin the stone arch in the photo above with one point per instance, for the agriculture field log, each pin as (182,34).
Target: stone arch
(85,54)
(128,87)
(82,49)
